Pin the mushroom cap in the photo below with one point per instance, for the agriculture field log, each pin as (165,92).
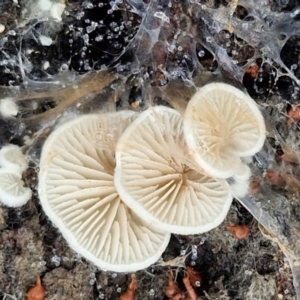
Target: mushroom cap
(12,190)
(152,178)
(77,193)
(11,157)
(223,124)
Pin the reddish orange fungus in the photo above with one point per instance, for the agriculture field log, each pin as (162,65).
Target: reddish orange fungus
(37,292)
(255,187)
(272,178)
(293,114)
(239,231)
(253,70)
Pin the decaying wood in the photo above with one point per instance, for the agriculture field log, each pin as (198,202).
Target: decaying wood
(66,97)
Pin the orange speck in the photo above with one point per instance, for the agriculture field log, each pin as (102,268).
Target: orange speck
(130,293)
(135,104)
(255,187)
(293,114)
(253,70)
(272,178)
(37,292)
(239,231)
(230,28)
(292,183)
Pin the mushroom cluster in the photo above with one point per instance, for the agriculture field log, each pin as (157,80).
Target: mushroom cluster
(155,176)
(118,184)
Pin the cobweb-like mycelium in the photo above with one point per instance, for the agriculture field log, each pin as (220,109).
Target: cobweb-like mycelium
(77,192)
(155,177)
(223,124)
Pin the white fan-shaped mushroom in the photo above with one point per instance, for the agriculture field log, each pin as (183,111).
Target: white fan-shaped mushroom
(12,190)
(77,192)
(152,178)
(223,124)
(11,157)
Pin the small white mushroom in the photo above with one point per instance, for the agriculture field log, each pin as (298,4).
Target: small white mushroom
(8,107)
(44,5)
(11,157)
(2,28)
(51,8)
(45,40)
(223,124)
(77,193)
(155,178)
(57,10)
(12,190)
